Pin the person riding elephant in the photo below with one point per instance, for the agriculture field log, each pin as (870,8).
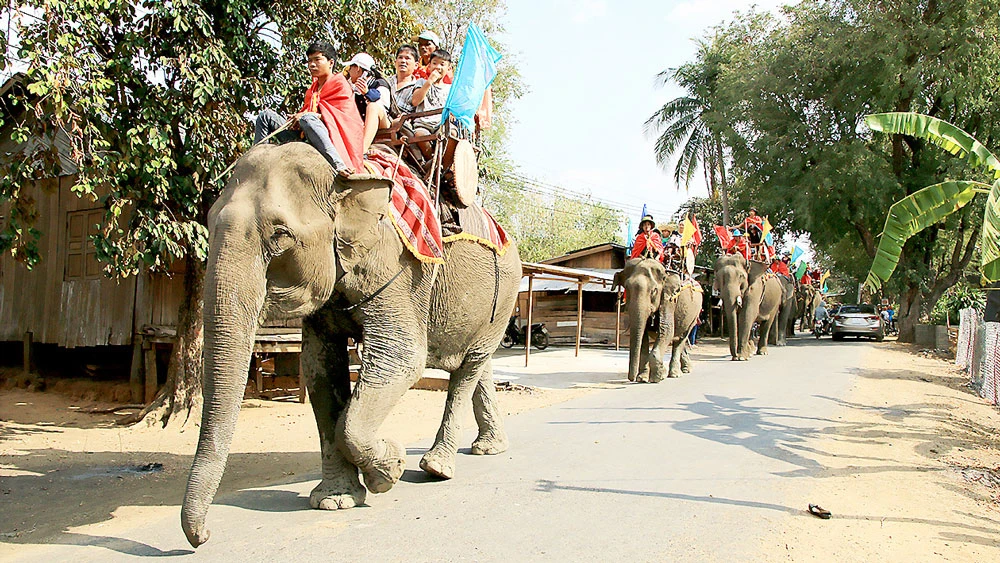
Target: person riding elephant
(290,239)
(749,294)
(648,243)
(785,326)
(662,312)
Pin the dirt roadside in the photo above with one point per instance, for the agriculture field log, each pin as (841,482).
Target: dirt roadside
(62,467)
(911,470)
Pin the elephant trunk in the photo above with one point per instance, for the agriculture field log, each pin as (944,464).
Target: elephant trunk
(638,317)
(235,289)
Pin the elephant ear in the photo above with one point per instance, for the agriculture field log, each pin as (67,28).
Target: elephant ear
(360,202)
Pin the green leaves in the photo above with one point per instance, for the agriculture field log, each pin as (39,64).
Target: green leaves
(933,203)
(939,132)
(911,215)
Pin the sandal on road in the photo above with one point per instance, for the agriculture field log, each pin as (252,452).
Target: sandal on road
(819,512)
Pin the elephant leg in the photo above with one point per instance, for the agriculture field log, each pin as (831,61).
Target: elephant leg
(385,375)
(675,357)
(765,331)
(656,368)
(326,372)
(492,438)
(686,359)
(642,376)
(440,459)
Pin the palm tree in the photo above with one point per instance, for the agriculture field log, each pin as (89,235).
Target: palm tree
(687,127)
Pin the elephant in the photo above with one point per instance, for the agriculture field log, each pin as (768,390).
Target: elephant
(785,326)
(808,299)
(657,301)
(750,293)
(288,239)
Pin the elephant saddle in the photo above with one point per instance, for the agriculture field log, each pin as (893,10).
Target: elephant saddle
(476,224)
(411,208)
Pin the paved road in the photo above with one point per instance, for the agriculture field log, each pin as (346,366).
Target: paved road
(694,469)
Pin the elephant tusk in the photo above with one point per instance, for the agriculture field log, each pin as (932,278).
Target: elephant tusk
(739,302)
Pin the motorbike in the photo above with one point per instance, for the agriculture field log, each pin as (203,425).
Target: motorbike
(515,335)
(821,327)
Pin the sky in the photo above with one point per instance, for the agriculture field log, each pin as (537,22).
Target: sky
(590,67)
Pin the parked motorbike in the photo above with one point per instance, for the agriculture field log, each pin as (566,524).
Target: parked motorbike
(515,335)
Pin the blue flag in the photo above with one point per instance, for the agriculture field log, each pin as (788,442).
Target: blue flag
(475,73)
(796,252)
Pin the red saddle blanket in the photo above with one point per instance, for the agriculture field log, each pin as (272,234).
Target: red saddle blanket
(411,209)
(479,226)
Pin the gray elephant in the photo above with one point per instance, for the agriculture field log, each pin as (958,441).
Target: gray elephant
(288,240)
(785,326)
(662,311)
(750,294)
(808,298)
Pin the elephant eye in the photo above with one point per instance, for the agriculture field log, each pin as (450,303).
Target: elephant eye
(281,240)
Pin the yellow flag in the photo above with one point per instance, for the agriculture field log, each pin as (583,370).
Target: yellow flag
(687,232)
(766,228)
(822,278)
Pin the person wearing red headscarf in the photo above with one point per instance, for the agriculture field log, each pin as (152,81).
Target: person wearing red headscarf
(328,119)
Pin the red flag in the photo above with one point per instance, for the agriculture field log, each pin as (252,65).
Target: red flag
(697,231)
(725,237)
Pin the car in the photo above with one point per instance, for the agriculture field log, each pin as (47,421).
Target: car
(857,320)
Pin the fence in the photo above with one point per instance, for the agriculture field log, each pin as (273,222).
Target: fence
(979,355)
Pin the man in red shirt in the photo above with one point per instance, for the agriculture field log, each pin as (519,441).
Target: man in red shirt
(647,242)
(781,266)
(328,119)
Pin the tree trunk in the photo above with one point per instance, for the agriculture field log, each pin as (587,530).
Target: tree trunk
(723,187)
(909,314)
(181,395)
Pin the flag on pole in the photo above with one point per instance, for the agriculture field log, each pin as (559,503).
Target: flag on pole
(475,73)
(796,253)
(697,230)
(822,279)
(803,268)
(687,228)
(725,237)
(766,232)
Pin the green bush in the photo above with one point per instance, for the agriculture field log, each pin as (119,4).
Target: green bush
(961,296)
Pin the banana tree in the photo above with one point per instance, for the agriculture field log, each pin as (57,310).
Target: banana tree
(929,205)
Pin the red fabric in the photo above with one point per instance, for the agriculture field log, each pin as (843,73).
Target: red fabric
(696,237)
(780,267)
(498,236)
(806,279)
(411,209)
(756,221)
(725,236)
(642,240)
(422,72)
(335,103)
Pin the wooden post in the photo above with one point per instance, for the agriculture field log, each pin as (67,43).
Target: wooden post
(258,373)
(135,376)
(579,315)
(149,353)
(29,337)
(527,329)
(618,318)
(302,377)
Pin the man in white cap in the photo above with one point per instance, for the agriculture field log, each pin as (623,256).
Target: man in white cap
(427,43)
(371,95)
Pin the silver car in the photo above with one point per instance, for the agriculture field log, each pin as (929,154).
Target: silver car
(857,320)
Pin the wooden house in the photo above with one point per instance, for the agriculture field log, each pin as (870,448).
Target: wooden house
(555,301)
(67,301)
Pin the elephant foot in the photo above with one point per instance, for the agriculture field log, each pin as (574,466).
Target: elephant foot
(337,494)
(674,374)
(491,443)
(438,465)
(386,468)
(685,369)
(762,351)
(656,378)
(631,377)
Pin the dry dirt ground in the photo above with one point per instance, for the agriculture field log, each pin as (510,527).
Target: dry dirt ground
(909,439)
(912,470)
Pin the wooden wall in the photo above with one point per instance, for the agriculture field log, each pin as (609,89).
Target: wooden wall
(70,313)
(556,308)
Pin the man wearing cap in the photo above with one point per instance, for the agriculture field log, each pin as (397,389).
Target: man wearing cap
(427,43)
(647,243)
(371,93)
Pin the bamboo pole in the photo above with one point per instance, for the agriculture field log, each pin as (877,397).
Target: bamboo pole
(618,318)
(579,315)
(527,329)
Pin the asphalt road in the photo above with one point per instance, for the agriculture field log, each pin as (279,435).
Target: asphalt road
(699,468)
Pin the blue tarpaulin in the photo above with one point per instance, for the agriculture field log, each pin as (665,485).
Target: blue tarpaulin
(475,73)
